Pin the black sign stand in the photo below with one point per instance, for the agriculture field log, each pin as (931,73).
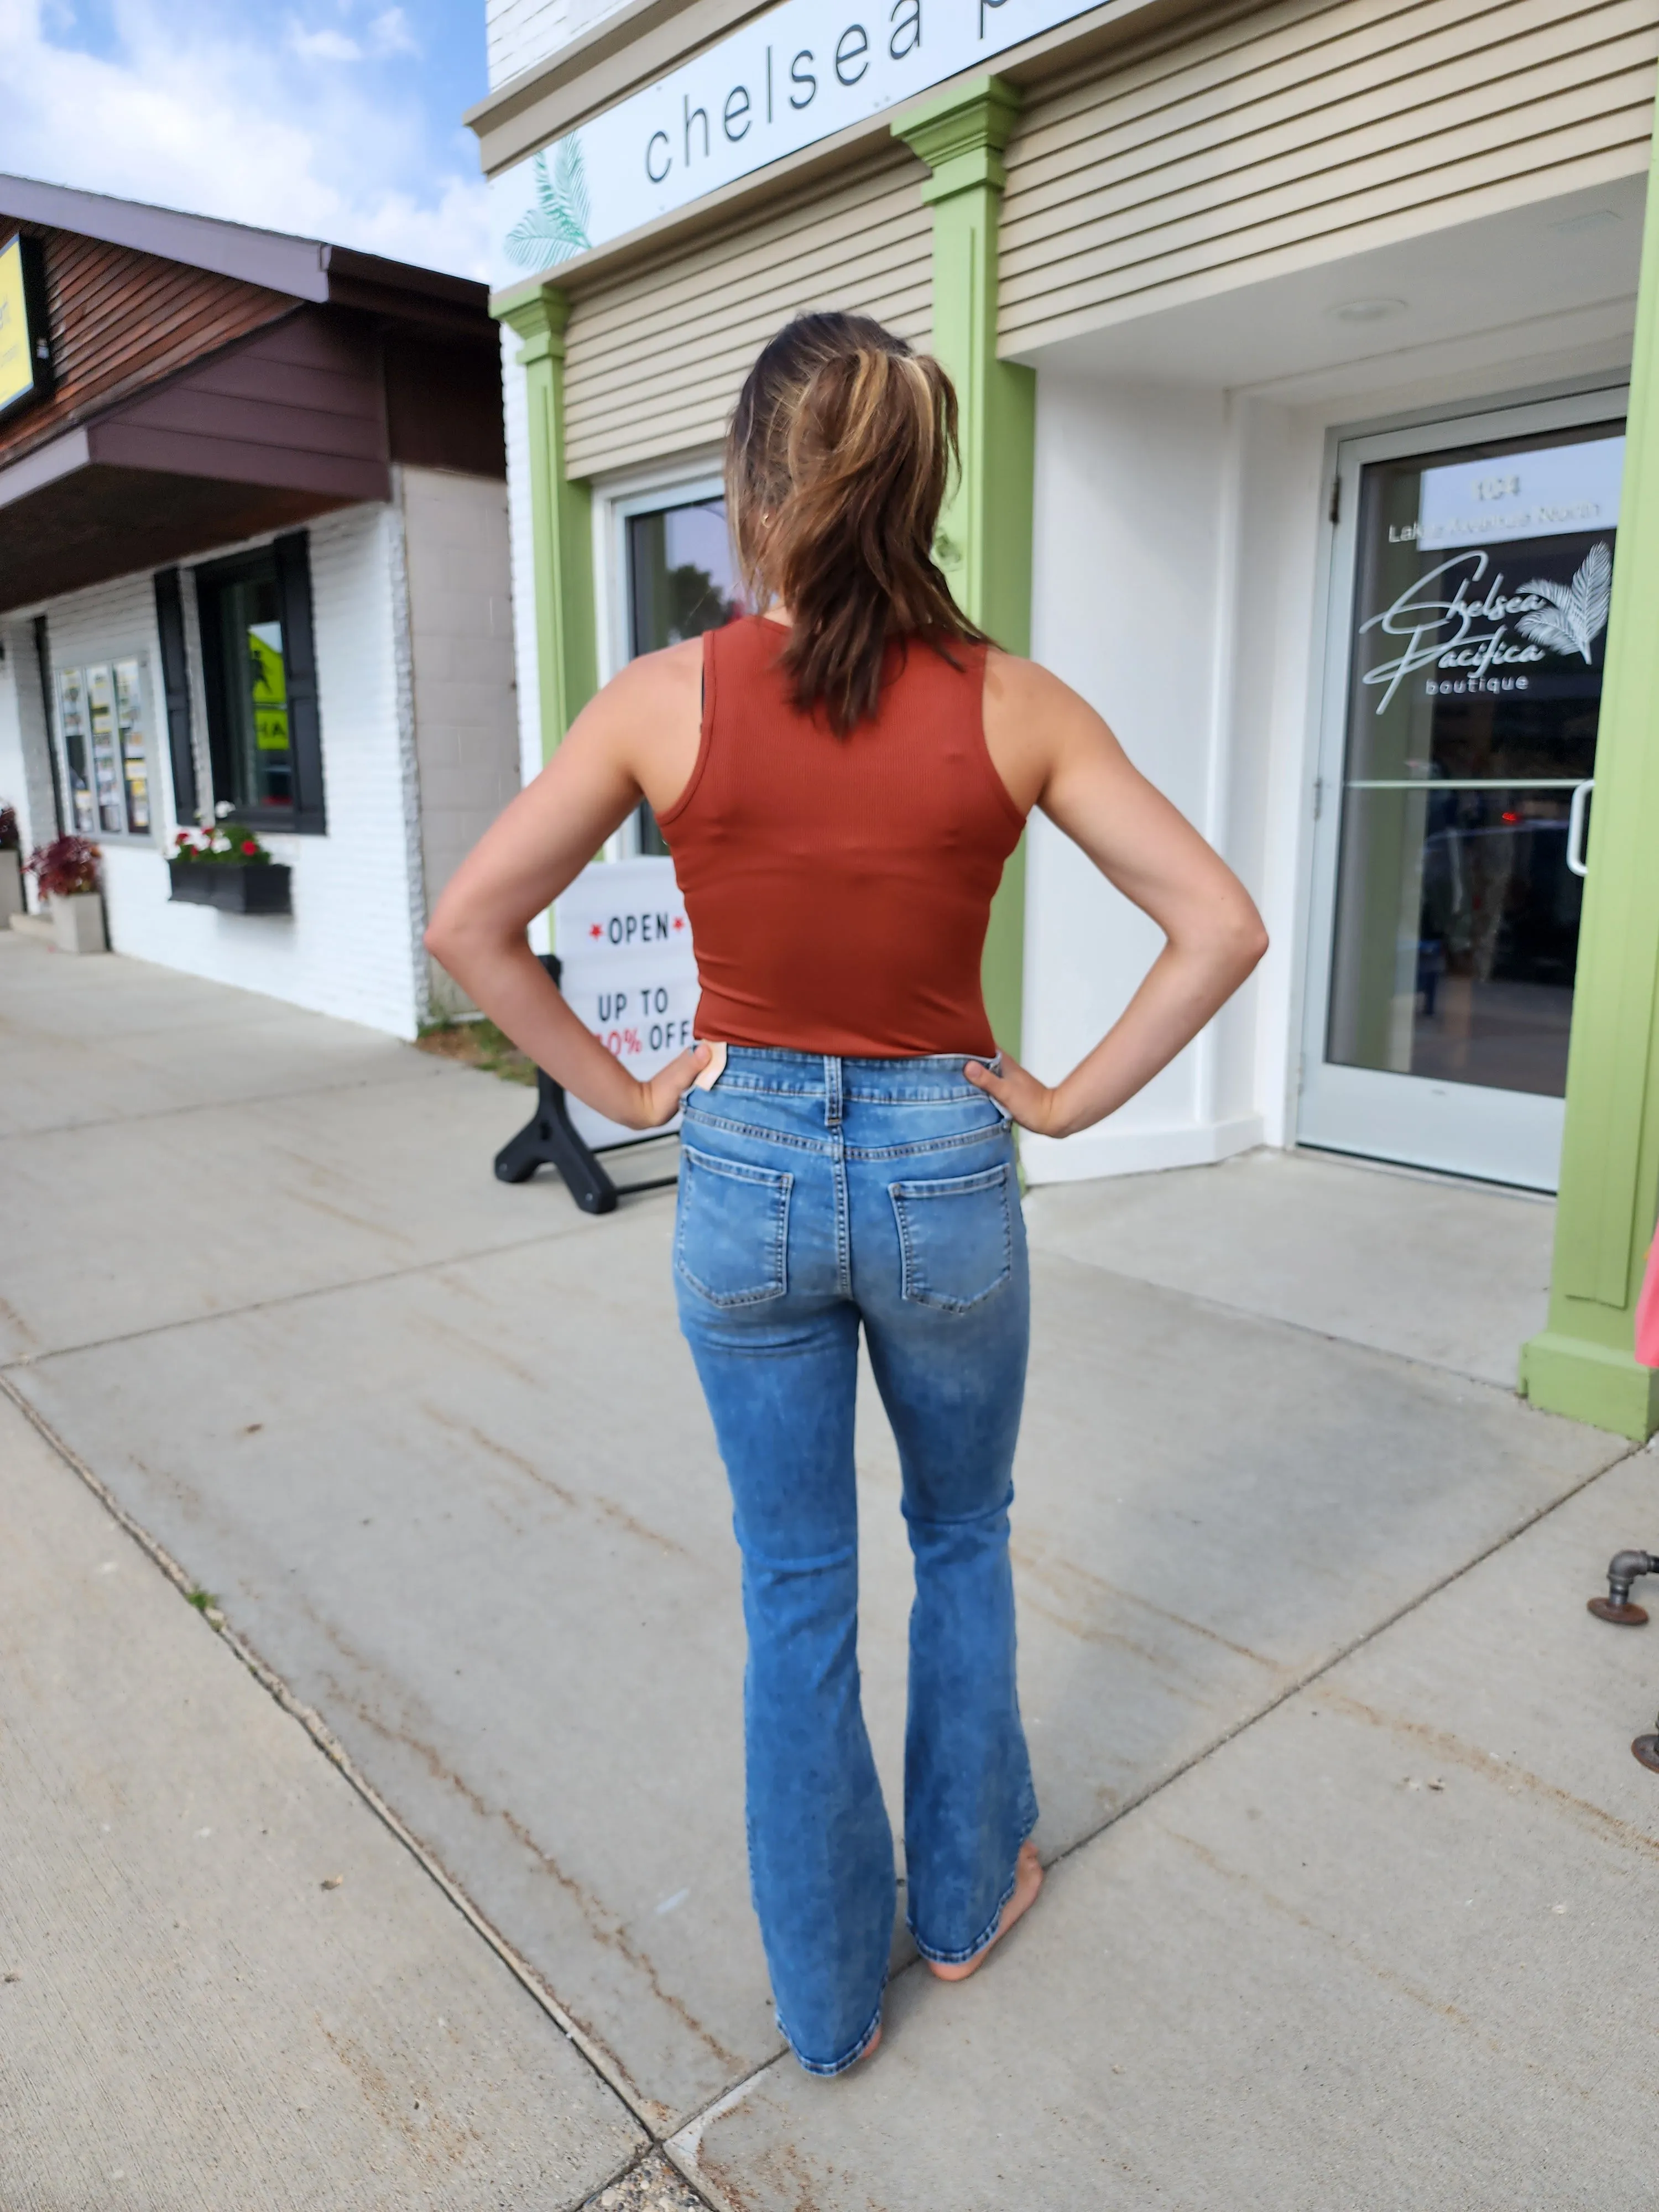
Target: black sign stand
(551,1139)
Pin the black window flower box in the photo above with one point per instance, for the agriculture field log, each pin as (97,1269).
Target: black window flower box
(261,887)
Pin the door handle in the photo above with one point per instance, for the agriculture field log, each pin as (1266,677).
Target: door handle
(1577,814)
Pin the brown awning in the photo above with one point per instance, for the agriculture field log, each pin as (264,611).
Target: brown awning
(211,383)
(284,426)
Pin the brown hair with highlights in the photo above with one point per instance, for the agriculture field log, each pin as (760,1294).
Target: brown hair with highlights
(837,461)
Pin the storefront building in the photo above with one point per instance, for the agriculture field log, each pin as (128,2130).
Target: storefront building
(253,559)
(1307,355)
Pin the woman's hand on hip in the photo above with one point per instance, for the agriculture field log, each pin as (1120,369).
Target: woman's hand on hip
(1017,1090)
(660,1095)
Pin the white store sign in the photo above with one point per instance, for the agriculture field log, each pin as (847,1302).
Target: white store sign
(798,74)
(627,970)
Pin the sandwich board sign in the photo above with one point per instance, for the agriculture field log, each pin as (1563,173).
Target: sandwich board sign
(627,970)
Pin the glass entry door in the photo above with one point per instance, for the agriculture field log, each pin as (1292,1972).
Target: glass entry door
(1473,566)
(680,579)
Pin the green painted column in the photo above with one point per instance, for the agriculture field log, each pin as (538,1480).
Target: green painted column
(567,642)
(1583,1363)
(984,534)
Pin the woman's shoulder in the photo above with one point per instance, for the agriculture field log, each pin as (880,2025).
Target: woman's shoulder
(1034,723)
(659,679)
(1020,686)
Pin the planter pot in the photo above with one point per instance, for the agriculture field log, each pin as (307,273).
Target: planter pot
(77,923)
(262,888)
(11,886)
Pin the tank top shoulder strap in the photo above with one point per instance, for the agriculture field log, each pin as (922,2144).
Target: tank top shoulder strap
(719,675)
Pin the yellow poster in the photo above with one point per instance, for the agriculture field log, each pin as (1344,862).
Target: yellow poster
(17,341)
(270,687)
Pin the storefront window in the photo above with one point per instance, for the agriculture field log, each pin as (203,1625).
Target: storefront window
(681,581)
(101,719)
(1474,686)
(244,648)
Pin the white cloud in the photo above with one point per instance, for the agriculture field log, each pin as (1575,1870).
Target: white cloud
(390,33)
(323,45)
(222,124)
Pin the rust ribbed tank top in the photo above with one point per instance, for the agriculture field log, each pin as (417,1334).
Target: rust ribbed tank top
(839,889)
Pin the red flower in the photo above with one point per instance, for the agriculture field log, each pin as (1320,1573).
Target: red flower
(249,845)
(183,837)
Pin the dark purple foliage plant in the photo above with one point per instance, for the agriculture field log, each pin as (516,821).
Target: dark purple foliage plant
(65,868)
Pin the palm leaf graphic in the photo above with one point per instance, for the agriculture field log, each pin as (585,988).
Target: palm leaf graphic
(557,226)
(1577,612)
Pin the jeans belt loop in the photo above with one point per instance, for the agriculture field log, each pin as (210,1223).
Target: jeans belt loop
(831,1091)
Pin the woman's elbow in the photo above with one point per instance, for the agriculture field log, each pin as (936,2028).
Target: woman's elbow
(1245,940)
(447,936)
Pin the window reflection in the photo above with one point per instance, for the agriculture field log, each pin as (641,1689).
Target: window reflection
(681,581)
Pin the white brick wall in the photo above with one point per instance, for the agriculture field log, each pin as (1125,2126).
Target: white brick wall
(25,768)
(350,947)
(518,33)
(460,628)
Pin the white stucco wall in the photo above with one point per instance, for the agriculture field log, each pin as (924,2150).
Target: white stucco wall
(1141,558)
(350,947)
(515,412)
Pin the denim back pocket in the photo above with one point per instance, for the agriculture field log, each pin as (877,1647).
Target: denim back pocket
(956,1240)
(731,1232)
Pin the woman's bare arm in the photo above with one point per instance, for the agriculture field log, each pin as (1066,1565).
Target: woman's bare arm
(638,737)
(1054,750)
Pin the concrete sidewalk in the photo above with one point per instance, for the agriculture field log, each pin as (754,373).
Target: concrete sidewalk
(435,1445)
(225,1980)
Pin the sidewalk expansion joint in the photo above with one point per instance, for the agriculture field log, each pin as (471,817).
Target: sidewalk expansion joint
(323,1736)
(1626,1451)
(209,1106)
(292,1297)
(1212,1304)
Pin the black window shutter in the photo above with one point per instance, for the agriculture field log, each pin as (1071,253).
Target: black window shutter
(305,727)
(175,684)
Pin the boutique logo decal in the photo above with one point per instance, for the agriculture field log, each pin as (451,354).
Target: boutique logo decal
(556,226)
(1577,612)
(798,74)
(1443,633)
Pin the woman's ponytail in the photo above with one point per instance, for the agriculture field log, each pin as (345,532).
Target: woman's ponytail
(837,463)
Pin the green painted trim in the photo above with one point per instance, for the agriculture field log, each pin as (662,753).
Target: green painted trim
(985,533)
(562,523)
(1586,1382)
(1584,1364)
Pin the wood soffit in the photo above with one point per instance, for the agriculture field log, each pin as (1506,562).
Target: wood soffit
(646,39)
(1120,32)
(156,518)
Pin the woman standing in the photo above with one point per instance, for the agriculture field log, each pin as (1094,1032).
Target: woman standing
(841,779)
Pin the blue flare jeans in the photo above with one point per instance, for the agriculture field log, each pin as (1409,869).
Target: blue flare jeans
(818,1194)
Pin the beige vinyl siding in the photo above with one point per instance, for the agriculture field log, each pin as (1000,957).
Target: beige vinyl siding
(656,355)
(1299,132)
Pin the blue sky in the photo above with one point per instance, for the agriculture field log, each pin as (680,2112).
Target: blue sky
(336,118)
